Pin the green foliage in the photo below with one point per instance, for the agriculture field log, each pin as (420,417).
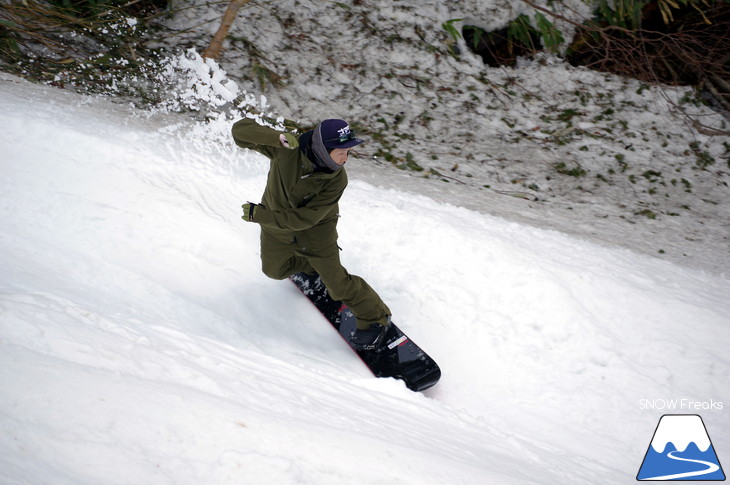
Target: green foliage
(649,214)
(562,168)
(477,33)
(90,9)
(266,76)
(410,164)
(666,6)
(343,6)
(451,29)
(567,115)
(551,36)
(522,31)
(703,159)
(519,31)
(620,13)
(627,13)
(83,8)
(454,35)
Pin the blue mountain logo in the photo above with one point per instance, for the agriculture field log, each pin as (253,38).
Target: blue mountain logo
(681,450)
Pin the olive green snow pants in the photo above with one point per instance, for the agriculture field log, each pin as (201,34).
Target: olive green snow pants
(284,253)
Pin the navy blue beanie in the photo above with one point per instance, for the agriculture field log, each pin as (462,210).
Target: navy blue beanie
(337,134)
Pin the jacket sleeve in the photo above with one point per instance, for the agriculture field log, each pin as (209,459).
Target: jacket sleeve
(249,134)
(301,218)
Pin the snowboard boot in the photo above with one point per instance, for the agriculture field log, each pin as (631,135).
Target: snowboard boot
(370,338)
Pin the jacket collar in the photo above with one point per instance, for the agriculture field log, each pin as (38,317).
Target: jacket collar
(307,146)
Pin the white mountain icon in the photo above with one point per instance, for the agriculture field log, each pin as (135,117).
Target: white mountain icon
(680,449)
(680,429)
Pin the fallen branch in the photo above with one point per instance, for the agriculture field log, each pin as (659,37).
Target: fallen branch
(213,51)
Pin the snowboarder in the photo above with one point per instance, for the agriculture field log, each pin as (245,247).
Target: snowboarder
(299,210)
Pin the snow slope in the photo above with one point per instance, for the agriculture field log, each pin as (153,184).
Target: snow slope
(140,343)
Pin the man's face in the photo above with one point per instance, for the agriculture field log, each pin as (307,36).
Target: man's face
(339,155)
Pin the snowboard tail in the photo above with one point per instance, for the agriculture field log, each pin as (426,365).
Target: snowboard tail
(398,357)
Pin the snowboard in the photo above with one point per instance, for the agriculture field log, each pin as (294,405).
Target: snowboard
(398,357)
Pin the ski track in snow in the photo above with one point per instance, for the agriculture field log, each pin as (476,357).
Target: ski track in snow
(140,343)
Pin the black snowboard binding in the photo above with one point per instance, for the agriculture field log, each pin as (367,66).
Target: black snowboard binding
(370,338)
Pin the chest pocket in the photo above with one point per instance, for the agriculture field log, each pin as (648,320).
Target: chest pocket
(304,190)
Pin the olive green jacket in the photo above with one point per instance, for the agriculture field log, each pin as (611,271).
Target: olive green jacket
(296,197)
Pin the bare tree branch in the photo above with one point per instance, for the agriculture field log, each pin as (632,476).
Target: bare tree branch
(213,51)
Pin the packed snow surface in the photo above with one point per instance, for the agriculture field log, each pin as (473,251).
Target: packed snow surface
(140,342)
